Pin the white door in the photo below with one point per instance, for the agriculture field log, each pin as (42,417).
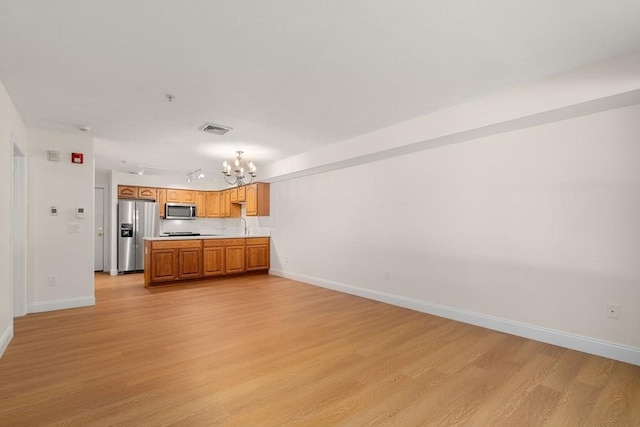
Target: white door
(98,232)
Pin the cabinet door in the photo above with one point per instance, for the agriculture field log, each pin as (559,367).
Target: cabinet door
(201,204)
(164,265)
(234,259)
(146,193)
(213,204)
(234,195)
(258,200)
(252,200)
(173,195)
(225,204)
(190,263)
(127,192)
(257,257)
(187,196)
(213,262)
(242,194)
(161,197)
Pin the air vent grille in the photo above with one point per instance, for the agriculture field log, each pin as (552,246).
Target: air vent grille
(216,129)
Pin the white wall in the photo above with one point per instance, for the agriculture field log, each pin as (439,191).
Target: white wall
(53,249)
(530,231)
(12,130)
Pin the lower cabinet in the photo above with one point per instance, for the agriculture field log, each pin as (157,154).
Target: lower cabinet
(190,263)
(258,253)
(213,260)
(175,260)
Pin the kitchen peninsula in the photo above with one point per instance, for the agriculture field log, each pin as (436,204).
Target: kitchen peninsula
(174,259)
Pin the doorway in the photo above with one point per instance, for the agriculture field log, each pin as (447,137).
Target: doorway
(98,230)
(19,231)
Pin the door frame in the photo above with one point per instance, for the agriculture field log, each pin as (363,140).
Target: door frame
(19,229)
(105,225)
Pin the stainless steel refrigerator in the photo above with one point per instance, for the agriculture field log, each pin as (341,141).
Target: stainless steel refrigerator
(136,220)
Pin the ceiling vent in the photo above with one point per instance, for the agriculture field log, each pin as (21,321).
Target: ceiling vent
(212,128)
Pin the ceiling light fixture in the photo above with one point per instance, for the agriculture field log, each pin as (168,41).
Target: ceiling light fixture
(196,173)
(238,169)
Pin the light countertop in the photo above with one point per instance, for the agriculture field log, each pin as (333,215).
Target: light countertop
(205,237)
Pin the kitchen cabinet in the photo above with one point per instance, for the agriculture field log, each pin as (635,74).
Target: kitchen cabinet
(213,204)
(187,196)
(146,193)
(161,197)
(167,261)
(234,256)
(127,192)
(190,262)
(257,253)
(234,195)
(212,259)
(201,204)
(170,260)
(242,194)
(160,265)
(228,209)
(173,195)
(257,198)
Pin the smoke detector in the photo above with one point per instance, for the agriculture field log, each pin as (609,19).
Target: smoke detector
(213,128)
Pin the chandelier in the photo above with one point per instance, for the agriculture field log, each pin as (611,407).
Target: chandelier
(237,178)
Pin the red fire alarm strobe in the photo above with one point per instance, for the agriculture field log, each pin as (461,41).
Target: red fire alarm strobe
(77,158)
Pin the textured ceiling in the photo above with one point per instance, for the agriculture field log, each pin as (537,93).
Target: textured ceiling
(286,76)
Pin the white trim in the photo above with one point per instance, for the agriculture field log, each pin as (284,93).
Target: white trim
(607,349)
(6,339)
(114,272)
(60,304)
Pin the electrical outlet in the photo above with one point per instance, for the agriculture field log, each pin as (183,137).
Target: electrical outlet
(52,280)
(387,275)
(613,310)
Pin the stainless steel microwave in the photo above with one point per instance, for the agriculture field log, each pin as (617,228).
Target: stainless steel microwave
(179,211)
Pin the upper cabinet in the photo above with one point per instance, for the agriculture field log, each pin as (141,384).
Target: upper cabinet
(209,204)
(127,192)
(146,193)
(213,204)
(258,201)
(201,204)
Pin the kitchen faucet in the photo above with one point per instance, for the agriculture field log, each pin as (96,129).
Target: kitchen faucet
(246,229)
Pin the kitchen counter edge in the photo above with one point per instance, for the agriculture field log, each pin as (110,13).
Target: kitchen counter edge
(226,236)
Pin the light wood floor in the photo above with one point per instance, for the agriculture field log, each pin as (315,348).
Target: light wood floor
(266,351)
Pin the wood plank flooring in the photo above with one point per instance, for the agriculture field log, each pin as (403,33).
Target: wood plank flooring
(266,351)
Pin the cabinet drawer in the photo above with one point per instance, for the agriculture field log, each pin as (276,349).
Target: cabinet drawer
(177,244)
(257,241)
(223,242)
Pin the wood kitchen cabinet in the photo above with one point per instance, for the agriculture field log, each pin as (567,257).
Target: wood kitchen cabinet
(234,195)
(190,262)
(258,253)
(201,204)
(258,199)
(146,193)
(234,256)
(127,192)
(161,197)
(167,261)
(173,195)
(212,258)
(242,194)
(228,209)
(187,196)
(213,204)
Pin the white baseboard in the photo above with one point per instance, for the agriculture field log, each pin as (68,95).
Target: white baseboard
(114,272)
(60,304)
(5,339)
(607,349)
